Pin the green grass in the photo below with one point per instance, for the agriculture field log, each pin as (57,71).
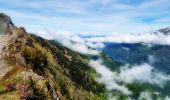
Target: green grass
(14,95)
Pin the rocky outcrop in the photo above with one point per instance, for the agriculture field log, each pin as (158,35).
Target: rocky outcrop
(39,83)
(5,23)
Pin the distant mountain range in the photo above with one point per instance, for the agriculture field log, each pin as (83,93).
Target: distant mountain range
(165,31)
(138,53)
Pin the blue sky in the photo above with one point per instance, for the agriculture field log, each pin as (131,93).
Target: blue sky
(89,16)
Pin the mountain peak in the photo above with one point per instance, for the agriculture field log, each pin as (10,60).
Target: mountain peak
(165,31)
(5,23)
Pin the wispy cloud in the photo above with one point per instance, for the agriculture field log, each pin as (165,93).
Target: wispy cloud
(143,73)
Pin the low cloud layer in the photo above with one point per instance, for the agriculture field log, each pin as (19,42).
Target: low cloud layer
(108,77)
(142,73)
(133,38)
(74,42)
(146,95)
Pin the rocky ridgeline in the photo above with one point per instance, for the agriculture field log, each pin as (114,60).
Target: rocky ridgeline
(14,64)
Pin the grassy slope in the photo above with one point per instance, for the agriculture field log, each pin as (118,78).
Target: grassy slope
(76,72)
(67,72)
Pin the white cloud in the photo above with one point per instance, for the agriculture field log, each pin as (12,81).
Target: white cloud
(133,38)
(108,77)
(72,41)
(167,98)
(142,73)
(95,45)
(145,95)
(151,59)
(81,48)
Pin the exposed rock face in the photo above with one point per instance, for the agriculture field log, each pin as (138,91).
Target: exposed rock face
(4,68)
(5,23)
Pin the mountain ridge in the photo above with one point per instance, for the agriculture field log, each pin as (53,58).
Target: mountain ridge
(165,31)
(36,68)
